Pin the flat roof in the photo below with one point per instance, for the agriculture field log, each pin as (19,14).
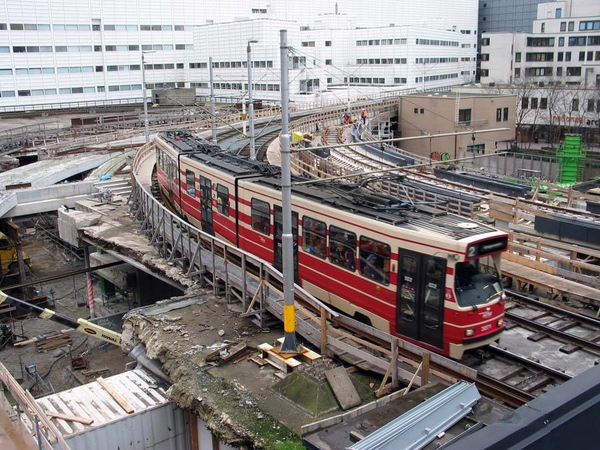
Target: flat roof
(93,401)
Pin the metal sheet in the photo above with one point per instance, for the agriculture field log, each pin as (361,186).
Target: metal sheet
(156,422)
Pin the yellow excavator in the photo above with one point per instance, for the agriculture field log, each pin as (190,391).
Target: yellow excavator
(80,325)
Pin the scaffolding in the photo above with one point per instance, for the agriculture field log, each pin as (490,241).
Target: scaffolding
(571,155)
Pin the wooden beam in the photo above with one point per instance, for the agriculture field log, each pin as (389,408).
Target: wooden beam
(82,420)
(122,403)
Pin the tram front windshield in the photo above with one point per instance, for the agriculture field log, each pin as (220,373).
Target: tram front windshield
(475,287)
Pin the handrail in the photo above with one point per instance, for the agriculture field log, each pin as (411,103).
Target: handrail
(34,413)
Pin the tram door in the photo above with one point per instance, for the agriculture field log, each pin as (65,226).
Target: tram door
(420,302)
(278,244)
(206,218)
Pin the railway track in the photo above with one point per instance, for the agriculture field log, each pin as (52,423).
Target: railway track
(514,379)
(543,347)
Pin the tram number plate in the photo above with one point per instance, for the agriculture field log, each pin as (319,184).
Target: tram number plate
(486,327)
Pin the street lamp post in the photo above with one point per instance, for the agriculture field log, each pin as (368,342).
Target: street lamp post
(146,125)
(250,101)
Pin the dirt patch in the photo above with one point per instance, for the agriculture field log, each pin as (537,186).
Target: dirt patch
(51,370)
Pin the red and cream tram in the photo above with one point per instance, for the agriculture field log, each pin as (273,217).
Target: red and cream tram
(426,276)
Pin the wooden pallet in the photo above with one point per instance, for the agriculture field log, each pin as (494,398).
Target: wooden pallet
(53,342)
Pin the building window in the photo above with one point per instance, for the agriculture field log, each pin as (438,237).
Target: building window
(328,62)
(560,56)
(525,103)
(518,57)
(517,72)
(561,41)
(586,25)
(575,104)
(505,117)
(543,27)
(534,103)
(559,71)
(567,56)
(563,26)
(558,13)
(485,42)
(498,114)
(571,26)
(464,116)
(327,43)
(476,149)
(590,105)
(544,103)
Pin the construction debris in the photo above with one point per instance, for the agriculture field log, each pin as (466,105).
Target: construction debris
(228,353)
(50,343)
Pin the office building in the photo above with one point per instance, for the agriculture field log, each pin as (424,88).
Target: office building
(61,53)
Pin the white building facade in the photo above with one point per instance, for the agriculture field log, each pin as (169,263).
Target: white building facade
(554,70)
(90,51)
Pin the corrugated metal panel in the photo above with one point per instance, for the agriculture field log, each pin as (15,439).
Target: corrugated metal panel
(156,423)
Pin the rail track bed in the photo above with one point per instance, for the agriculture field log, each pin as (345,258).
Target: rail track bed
(543,346)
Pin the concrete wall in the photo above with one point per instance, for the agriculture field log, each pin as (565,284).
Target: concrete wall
(436,114)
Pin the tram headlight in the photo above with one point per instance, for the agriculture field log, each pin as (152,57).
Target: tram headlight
(469,332)
(500,323)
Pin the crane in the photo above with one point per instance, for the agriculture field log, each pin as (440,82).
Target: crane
(80,325)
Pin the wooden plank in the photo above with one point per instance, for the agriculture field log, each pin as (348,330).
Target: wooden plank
(82,420)
(91,372)
(343,389)
(280,362)
(42,337)
(114,394)
(537,336)
(305,354)
(569,348)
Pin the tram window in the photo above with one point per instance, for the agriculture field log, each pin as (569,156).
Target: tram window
(261,216)
(223,200)
(464,275)
(190,183)
(408,278)
(374,260)
(434,281)
(342,248)
(314,237)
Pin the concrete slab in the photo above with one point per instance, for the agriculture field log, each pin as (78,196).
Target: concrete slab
(52,171)
(343,389)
